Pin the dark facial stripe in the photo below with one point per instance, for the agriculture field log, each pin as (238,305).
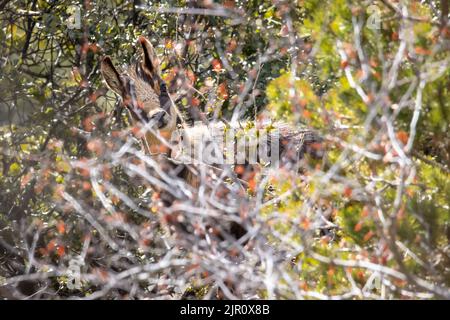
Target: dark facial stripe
(164,99)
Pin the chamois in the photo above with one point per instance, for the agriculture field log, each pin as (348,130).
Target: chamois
(146,97)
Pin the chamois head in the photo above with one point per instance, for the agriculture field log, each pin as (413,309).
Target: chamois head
(143,92)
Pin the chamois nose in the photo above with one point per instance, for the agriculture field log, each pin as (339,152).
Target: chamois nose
(160,118)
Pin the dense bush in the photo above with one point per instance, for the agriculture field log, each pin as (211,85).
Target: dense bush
(78,216)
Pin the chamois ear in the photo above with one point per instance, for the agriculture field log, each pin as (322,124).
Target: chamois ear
(150,61)
(111,76)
